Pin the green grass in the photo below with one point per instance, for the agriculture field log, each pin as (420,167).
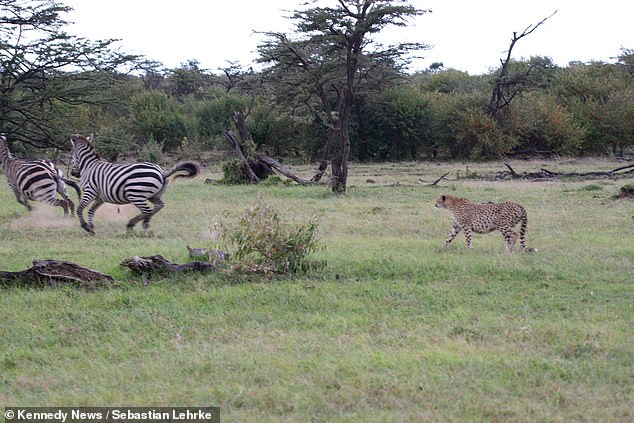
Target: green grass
(395,328)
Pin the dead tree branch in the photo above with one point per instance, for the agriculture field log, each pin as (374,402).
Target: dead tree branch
(229,135)
(283,169)
(548,174)
(158,263)
(50,272)
(507,87)
(433,184)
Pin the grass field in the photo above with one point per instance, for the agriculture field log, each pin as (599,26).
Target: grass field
(393,329)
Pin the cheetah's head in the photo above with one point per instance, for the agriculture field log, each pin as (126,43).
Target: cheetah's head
(445,201)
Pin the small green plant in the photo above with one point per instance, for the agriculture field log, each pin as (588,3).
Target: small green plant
(233,173)
(264,242)
(591,187)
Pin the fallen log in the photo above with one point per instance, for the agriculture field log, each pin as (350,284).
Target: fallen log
(283,169)
(158,263)
(548,174)
(50,272)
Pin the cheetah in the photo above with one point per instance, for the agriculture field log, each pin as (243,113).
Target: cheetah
(485,218)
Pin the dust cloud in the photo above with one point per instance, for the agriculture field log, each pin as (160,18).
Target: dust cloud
(44,216)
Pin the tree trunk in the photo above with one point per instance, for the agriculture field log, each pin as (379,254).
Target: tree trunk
(340,157)
(342,143)
(361,129)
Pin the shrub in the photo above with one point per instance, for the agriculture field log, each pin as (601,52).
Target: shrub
(543,125)
(112,142)
(215,115)
(263,241)
(480,137)
(152,151)
(626,191)
(233,173)
(158,116)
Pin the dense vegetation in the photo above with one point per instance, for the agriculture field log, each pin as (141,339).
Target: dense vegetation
(136,106)
(581,109)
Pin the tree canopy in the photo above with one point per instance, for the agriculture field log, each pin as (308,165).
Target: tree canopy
(328,90)
(45,71)
(327,60)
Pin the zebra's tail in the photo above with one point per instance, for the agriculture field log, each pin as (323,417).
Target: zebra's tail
(74,185)
(191,169)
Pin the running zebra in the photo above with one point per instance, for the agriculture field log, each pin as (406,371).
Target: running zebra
(36,180)
(106,182)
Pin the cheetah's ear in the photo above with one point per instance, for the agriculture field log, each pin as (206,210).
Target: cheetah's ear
(443,198)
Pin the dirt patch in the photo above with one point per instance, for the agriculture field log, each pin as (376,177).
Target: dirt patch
(116,213)
(44,216)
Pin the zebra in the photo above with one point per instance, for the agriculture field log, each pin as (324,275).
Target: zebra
(36,180)
(106,182)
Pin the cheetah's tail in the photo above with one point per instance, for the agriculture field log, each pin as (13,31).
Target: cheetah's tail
(523,227)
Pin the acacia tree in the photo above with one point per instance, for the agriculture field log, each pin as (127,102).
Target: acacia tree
(45,72)
(328,58)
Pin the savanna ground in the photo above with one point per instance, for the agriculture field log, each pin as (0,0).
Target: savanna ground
(393,328)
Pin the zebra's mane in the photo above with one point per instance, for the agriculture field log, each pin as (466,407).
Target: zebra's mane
(86,141)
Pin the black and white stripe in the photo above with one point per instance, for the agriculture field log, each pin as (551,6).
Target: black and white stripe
(106,182)
(36,180)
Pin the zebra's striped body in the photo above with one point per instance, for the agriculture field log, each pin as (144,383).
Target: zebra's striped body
(106,182)
(36,180)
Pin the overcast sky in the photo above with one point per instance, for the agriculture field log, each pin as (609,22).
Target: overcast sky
(468,35)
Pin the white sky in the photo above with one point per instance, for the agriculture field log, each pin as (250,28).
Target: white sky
(469,35)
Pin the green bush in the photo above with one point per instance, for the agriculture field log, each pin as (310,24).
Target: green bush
(158,116)
(112,142)
(214,116)
(233,173)
(480,137)
(264,242)
(541,124)
(152,151)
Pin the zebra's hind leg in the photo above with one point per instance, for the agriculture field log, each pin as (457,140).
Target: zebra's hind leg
(158,205)
(66,202)
(71,206)
(146,214)
(61,203)
(22,200)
